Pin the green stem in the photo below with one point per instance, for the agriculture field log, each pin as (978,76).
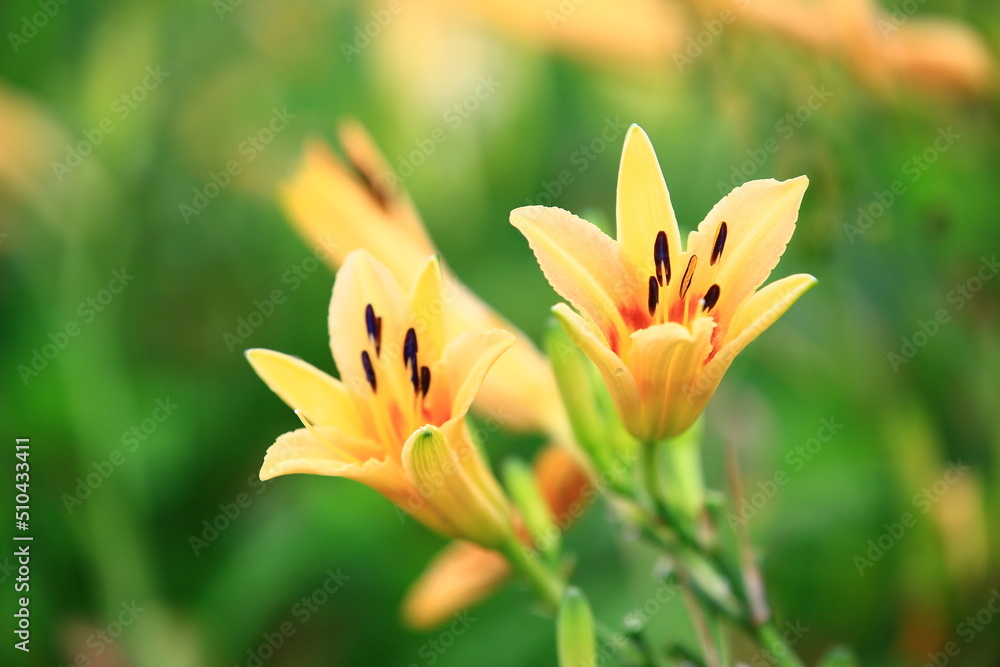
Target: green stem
(678,510)
(768,637)
(547,585)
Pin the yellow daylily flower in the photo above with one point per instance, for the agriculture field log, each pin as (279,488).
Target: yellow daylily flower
(396,419)
(345,207)
(664,323)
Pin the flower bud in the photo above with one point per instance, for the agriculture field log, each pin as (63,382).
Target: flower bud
(453,480)
(523,489)
(576,631)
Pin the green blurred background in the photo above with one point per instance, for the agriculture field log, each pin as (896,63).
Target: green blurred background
(161,95)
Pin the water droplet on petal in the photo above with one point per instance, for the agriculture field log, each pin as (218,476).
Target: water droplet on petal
(619,371)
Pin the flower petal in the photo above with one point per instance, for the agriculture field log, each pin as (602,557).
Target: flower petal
(324,450)
(460,576)
(682,408)
(445,467)
(643,207)
(427,309)
(587,268)
(753,317)
(339,210)
(321,398)
(617,376)
(463,366)
(361,282)
(655,350)
(760,219)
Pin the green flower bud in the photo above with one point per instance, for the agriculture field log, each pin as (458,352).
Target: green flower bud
(577,644)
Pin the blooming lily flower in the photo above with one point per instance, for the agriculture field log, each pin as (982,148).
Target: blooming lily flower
(396,419)
(345,207)
(663,323)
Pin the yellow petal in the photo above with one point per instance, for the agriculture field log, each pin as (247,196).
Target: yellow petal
(753,317)
(940,54)
(321,398)
(338,212)
(442,465)
(643,206)
(587,268)
(327,451)
(427,309)
(681,409)
(618,378)
(459,577)
(324,450)
(377,177)
(651,357)
(760,219)
(463,365)
(361,282)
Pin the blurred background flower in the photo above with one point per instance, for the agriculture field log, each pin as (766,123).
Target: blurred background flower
(143,149)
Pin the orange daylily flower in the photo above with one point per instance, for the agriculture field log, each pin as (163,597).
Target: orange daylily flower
(396,419)
(358,205)
(464,573)
(663,323)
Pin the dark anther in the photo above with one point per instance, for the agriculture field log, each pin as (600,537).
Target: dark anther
(654,295)
(370,322)
(374,326)
(415,379)
(661,257)
(720,243)
(711,297)
(410,348)
(376,191)
(425,380)
(366,361)
(688,275)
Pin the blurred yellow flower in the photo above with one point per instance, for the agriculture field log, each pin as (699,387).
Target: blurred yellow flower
(882,47)
(661,323)
(358,205)
(396,419)
(463,574)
